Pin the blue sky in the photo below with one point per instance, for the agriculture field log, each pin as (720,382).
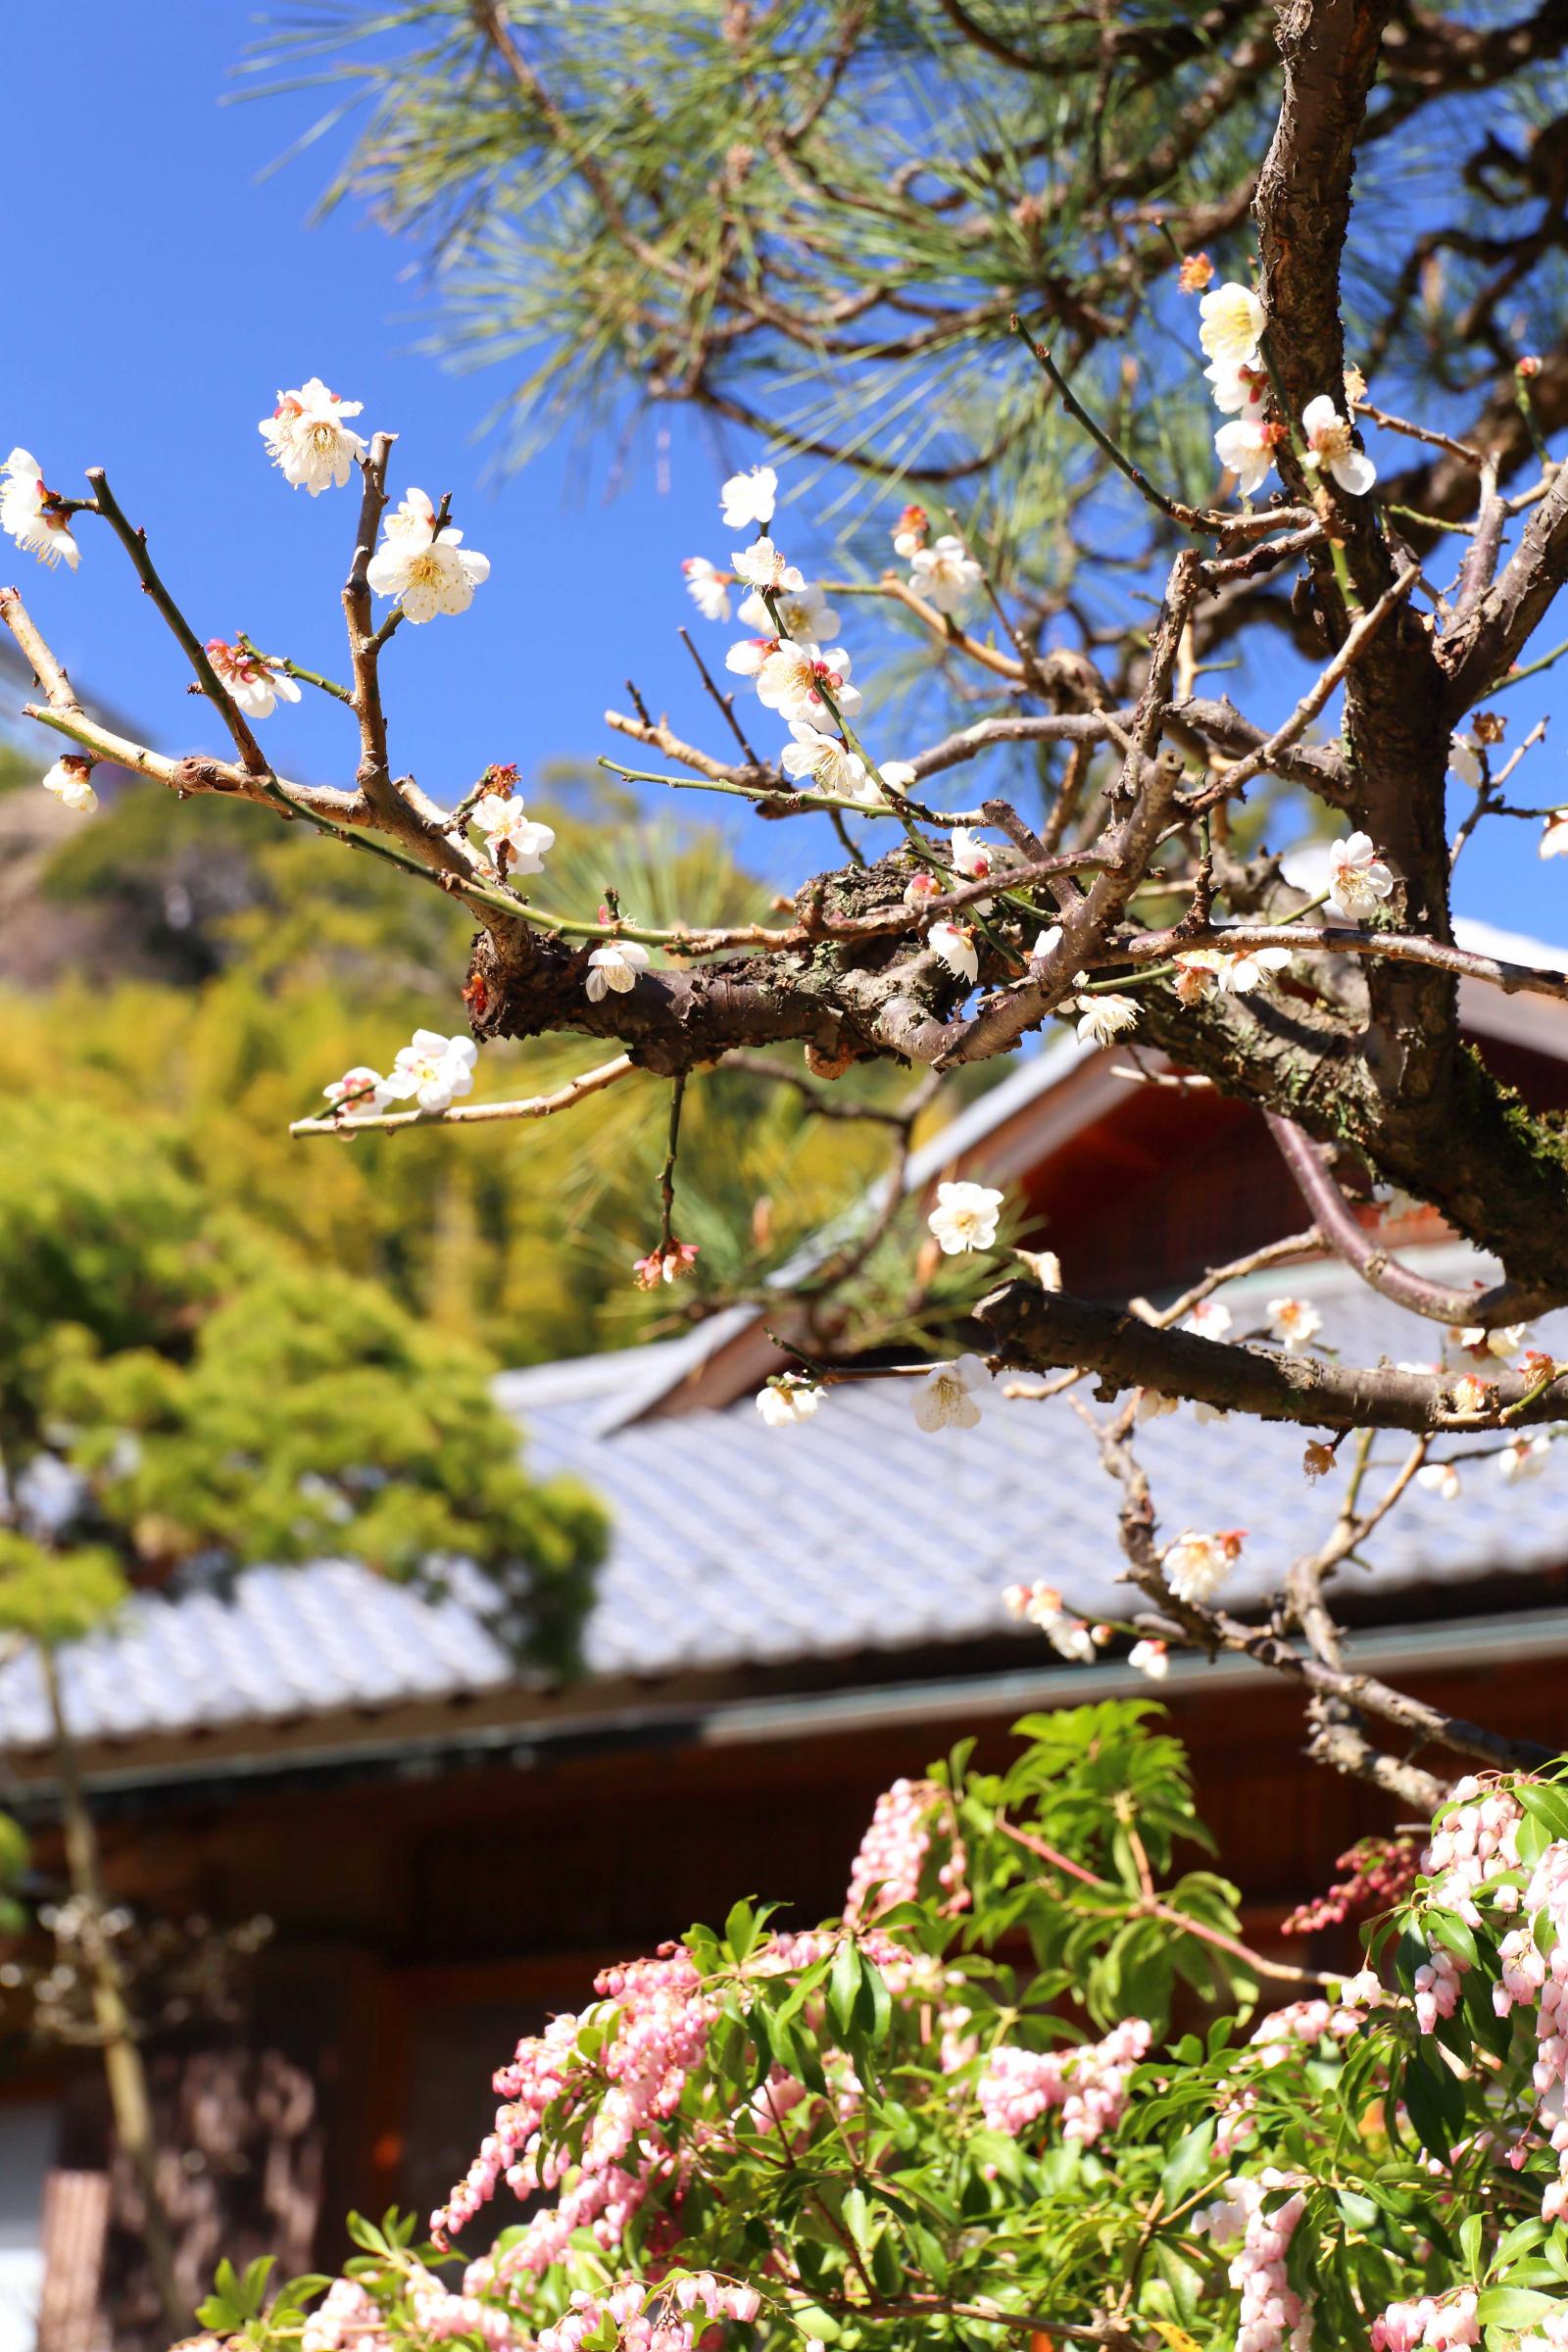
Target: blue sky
(175,288)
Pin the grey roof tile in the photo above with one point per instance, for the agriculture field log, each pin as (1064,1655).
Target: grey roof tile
(735,1545)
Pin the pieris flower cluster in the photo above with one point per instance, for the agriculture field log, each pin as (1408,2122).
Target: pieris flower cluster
(1439,2325)
(1089,2083)
(892,1854)
(655,2015)
(1272,2313)
(346,2319)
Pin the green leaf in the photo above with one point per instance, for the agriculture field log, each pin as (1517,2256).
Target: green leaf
(1188,2163)
(844,1984)
(1514,2306)
(740,1931)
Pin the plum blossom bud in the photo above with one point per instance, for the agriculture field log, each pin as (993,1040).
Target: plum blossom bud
(1043,1264)
(70,781)
(1554,841)
(911,532)
(1195,272)
(921,888)
(897,775)
(360,1090)
(1441,1479)
(1473,1396)
(965,1218)
(1528,366)
(1151,1658)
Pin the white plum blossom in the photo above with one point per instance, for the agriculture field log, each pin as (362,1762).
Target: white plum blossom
(70,781)
(306,436)
(1231,326)
(500,818)
(615,967)
(427,571)
(965,1218)
(785,1403)
(748,498)
(27,517)
(1554,841)
(1329,447)
(1501,1339)
(795,679)
(1240,389)
(256,687)
(1211,1319)
(1246,448)
(433,1069)
(954,945)
(1359,879)
(360,1090)
(828,764)
(946,1400)
(1464,761)
(975,859)
(1151,1658)
(1047,943)
(763,566)
(803,614)
(945,574)
(1151,1406)
(1523,1457)
(1201,971)
(707,587)
(1293,1321)
(1040,1604)
(898,774)
(1102,1020)
(746,657)
(1196,1566)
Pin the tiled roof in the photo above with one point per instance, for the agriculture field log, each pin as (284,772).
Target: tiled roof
(736,1545)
